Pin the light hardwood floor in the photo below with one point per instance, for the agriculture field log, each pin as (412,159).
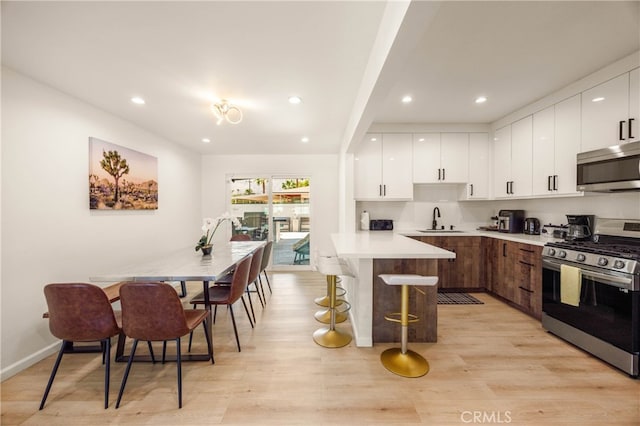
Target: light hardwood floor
(491,364)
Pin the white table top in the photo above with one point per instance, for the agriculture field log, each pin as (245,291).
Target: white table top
(184,265)
(385,245)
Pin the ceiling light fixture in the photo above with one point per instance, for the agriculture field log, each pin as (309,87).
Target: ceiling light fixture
(481,99)
(598,99)
(406,99)
(206,140)
(305,139)
(223,110)
(295,100)
(137,100)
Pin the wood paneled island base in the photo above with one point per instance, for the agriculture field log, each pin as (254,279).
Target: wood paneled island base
(423,301)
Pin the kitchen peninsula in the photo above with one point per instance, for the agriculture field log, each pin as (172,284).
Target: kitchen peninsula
(370,254)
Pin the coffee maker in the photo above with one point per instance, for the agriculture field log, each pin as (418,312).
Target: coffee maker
(511,221)
(580,227)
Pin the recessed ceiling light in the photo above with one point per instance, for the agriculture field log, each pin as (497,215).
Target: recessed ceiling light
(305,139)
(373,139)
(206,140)
(137,100)
(295,100)
(481,99)
(599,99)
(421,140)
(406,99)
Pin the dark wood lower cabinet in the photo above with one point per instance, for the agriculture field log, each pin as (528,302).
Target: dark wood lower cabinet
(507,269)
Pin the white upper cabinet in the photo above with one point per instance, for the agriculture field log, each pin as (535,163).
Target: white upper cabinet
(512,164)
(502,161)
(440,157)
(382,167)
(544,170)
(478,186)
(567,145)
(609,112)
(556,142)
(521,152)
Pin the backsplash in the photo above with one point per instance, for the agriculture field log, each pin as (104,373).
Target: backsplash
(418,214)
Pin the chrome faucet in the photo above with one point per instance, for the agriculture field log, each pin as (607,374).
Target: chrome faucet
(434,224)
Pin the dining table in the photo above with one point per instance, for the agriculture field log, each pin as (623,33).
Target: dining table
(182,265)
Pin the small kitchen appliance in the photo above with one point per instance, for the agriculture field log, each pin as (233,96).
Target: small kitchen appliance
(591,292)
(381,225)
(511,221)
(532,226)
(580,227)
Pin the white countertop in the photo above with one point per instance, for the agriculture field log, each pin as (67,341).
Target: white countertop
(385,245)
(539,240)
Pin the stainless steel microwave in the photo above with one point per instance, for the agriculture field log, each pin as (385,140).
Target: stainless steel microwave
(612,169)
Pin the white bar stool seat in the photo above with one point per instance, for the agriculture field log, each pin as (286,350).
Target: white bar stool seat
(402,361)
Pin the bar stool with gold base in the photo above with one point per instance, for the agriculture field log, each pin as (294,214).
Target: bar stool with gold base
(329,337)
(402,361)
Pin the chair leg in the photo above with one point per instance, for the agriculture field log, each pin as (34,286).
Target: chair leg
(262,289)
(235,329)
(207,336)
(179,364)
(183,288)
(255,284)
(268,283)
(153,358)
(107,357)
(190,340)
(253,314)
(246,310)
(126,372)
(53,374)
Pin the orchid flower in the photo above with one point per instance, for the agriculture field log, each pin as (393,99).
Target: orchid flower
(208,224)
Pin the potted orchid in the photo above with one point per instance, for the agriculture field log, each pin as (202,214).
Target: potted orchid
(209,228)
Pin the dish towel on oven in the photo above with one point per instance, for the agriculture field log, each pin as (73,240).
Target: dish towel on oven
(570,285)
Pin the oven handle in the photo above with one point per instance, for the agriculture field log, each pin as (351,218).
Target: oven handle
(613,280)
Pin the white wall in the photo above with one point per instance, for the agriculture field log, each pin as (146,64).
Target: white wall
(48,232)
(322,169)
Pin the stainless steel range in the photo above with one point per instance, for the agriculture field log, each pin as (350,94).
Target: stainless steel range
(591,292)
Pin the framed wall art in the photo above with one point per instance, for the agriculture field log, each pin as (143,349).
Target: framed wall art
(121,178)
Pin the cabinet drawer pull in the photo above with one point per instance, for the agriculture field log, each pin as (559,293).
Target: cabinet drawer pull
(620,135)
(527,263)
(527,250)
(526,289)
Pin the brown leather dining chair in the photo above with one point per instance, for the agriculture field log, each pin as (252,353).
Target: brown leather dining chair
(266,256)
(241,237)
(152,311)
(228,295)
(81,312)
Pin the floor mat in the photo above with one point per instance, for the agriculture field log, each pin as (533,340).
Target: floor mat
(457,299)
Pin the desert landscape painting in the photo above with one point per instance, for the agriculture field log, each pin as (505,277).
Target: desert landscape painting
(121,178)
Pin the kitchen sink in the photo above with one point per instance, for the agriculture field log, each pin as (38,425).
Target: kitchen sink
(448,231)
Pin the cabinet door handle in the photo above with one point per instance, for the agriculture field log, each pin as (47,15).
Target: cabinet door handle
(439,174)
(380,190)
(630,126)
(384,190)
(471,187)
(620,125)
(549,183)
(504,249)
(555,182)
(443,174)
(507,187)
(531,265)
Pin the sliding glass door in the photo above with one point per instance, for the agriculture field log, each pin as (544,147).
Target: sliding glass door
(275,208)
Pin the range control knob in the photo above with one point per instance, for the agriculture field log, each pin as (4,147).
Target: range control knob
(562,254)
(581,257)
(603,261)
(618,264)
(551,251)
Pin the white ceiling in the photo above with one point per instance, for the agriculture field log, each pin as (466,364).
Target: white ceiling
(178,55)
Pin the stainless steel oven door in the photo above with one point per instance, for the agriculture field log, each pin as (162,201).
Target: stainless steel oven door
(608,308)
